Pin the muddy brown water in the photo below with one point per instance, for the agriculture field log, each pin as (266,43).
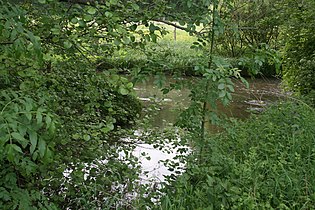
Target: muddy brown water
(261,93)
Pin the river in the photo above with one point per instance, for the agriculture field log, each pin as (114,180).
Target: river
(261,93)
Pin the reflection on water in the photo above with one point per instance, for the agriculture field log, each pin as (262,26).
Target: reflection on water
(151,160)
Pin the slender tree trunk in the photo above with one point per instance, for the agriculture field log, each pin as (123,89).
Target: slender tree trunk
(205,104)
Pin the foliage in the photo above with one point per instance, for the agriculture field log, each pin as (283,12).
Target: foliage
(261,61)
(251,24)
(300,52)
(265,162)
(27,140)
(251,36)
(44,80)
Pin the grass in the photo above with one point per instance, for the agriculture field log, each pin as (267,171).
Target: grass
(181,35)
(167,55)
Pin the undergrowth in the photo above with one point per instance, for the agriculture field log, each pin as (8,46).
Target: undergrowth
(266,162)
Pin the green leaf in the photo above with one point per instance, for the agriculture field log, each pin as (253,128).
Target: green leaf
(13,35)
(117,42)
(113,2)
(48,155)
(88,17)
(222,93)
(105,130)
(86,137)
(10,152)
(76,136)
(182,23)
(123,90)
(110,126)
(22,129)
(55,31)
(245,82)
(153,37)
(221,86)
(41,147)
(35,155)
(91,10)
(135,6)
(74,20)
(42,1)
(18,136)
(33,139)
(108,14)
(4,139)
(4,195)
(28,116)
(133,27)
(214,77)
(39,117)
(133,38)
(52,128)
(152,28)
(67,44)
(229,96)
(225,101)
(230,87)
(48,121)
(129,85)
(126,40)
(16,148)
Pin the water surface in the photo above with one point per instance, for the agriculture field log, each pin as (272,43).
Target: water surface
(260,94)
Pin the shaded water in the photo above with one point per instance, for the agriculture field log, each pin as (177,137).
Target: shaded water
(261,93)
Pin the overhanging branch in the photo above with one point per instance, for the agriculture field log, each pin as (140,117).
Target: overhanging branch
(171,24)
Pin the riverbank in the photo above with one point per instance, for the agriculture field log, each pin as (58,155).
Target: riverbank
(266,162)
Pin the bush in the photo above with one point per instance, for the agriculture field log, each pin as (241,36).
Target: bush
(299,75)
(27,138)
(265,162)
(37,150)
(299,55)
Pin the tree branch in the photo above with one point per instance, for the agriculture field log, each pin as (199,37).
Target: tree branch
(6,43)
(170,23)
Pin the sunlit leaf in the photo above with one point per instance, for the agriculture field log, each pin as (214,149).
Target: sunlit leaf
(91,10)
(86,137)
(123,91)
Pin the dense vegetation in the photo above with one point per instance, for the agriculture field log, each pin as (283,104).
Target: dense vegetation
(265,162)
(68,110)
